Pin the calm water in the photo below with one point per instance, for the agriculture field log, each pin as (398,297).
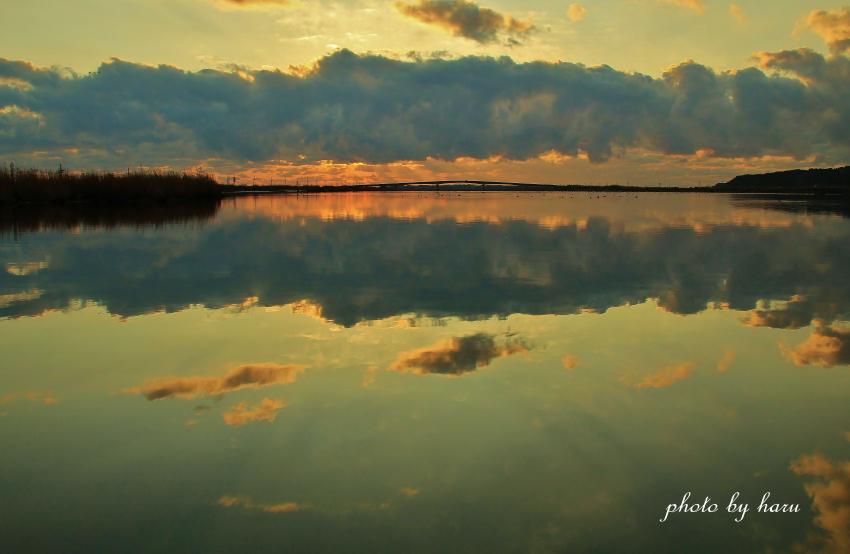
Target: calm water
(427,373)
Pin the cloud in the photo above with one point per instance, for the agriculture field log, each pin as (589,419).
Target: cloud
(830,495)
(45,397)
(370,108)
(464,18)
(570,362)
(695,5)
(281,508)
(259,4)
(241,377)
(409,492)
(825,99)
(26,268)
(741,259)
(576,12)
(457,356)
(826,347)
(241,413)
(738,13)
(248,504)
(666,377)
(725,361)
(794,314)
(833,27)
(7,300)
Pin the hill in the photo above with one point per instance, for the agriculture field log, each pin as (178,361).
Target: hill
(821,181)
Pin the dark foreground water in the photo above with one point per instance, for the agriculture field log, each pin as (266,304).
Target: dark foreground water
(427,373)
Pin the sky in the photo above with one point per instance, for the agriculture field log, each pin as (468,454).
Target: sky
(632,91)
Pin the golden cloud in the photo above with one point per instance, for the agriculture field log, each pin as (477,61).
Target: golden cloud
(248,504)
(245,3)
(830,495)
(695,5)
(576,12)
(570,361)
(44,397)
(7,300)
(826,347)
(15,83)
(281,508)
(667,376)
(241,377)
(833,27)
(458,355)
(26,268)
(725,361)
(464,18)
(242,413)
(738,13)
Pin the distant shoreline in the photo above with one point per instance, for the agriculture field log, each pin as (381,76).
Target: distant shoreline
(821,182)
(37,187)
(458,186)
(449,186)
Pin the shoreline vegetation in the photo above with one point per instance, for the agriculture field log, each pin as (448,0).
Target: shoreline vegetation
(32,187)
(29,218)
(35,200)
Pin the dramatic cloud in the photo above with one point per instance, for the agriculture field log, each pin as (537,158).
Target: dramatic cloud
(576,12)
(241,377)
(463,18)
(369,108)
(241,413)
(830,494)
(666,377)
(827,347)
(833,27)
(457,356)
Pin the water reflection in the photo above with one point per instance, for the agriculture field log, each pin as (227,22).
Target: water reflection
(265,410)
(826,347)
(427,372)
(30,218)
(369,269)
(244,376)
(459,355)
(797,203)
(828,487)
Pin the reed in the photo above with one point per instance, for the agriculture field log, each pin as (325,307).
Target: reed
(19,186)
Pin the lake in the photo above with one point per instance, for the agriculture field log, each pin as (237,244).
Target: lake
(412,372)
